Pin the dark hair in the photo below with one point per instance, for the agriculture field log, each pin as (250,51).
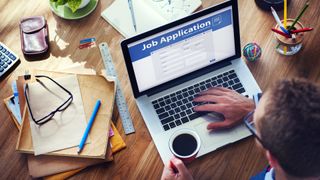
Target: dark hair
(290,127)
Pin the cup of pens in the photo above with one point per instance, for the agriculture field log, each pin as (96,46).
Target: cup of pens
(289,33)
(289,44)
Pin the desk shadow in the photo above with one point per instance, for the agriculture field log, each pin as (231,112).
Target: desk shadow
(64,42)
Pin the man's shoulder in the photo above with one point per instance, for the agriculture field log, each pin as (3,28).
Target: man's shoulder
(266,174)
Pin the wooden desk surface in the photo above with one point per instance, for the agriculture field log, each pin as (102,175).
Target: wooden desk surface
(140,160)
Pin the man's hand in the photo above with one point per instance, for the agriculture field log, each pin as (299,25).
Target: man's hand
(176,170)
(232,105)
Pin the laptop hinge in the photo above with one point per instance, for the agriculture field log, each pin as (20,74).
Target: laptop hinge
(188,77)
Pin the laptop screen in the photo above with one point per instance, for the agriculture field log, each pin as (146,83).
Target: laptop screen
(183,49)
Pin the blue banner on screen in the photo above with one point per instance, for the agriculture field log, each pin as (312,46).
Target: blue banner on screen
(212,23)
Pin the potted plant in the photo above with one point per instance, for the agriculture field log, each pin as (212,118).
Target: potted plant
(74,5)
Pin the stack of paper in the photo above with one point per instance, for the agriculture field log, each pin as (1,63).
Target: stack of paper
(84,96)
(67,128)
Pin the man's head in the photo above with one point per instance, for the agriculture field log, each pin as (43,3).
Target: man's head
(288,122)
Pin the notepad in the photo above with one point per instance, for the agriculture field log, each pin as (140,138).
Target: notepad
(65,128)
(149,14)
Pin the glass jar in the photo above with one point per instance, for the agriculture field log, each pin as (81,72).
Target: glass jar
(289,46)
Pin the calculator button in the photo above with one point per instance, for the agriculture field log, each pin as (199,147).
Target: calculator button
(7,60)
(11,56)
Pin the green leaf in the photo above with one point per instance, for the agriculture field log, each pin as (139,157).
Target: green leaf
(74,4)
(61,2)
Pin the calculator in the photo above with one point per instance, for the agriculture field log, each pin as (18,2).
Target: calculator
(8,60)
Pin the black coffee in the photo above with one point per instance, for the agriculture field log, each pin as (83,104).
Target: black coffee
(184,144)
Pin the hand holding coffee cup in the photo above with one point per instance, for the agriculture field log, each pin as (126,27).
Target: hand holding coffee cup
(175,169)
(185,144)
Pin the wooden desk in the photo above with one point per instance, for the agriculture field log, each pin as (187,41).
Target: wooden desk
(140,160)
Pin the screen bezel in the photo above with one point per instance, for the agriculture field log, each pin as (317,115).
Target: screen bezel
(189,76)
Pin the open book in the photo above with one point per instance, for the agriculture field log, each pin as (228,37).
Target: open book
(148,14)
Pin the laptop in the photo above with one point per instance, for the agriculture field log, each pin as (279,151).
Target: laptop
(168,66)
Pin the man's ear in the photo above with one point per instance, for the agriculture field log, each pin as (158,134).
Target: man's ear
(272,160)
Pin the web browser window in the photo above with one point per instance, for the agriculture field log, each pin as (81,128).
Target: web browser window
(183,49)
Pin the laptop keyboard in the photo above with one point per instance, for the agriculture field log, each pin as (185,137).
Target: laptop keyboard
(176,108)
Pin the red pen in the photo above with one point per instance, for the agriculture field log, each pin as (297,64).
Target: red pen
(281,33)
(301,30)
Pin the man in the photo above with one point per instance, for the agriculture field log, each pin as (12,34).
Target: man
(287,128)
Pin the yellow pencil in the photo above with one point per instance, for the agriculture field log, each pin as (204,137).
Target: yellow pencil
(285,14)
(285,50)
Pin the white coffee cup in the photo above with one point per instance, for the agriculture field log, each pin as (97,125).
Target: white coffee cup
(185,144)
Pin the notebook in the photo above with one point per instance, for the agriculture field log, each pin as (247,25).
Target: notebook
(149,14)
(92,87)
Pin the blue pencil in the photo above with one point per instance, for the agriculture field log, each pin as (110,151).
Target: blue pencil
(86,132)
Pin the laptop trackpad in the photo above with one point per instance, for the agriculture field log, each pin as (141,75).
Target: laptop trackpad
(214,138)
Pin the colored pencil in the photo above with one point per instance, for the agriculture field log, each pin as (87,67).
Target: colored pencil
(281,33)
(89,125)
(299,16)
(285,14)
(301,30)
(285,50)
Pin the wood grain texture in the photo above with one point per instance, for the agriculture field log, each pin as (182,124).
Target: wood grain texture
(140,159)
